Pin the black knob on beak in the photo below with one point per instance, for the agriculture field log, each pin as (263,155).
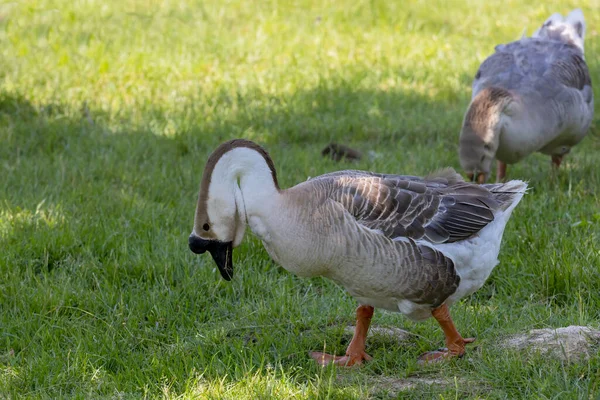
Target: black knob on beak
(221,252)
(197,244)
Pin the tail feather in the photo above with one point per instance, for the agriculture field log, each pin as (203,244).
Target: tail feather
(508,194)
(570,29)
(577,21)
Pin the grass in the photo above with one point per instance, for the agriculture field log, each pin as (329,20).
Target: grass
(108,111)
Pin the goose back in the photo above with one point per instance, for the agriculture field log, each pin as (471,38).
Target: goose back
(441,208)
(532,64)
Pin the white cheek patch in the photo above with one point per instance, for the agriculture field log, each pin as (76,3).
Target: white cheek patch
(221,211)
(221,219)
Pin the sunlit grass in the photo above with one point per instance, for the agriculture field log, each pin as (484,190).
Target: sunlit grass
(108,110)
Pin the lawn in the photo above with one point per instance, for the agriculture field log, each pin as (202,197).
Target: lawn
(108,112)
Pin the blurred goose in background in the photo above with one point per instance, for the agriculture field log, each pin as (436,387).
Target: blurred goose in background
(401,243)
(531,95)
(337,152)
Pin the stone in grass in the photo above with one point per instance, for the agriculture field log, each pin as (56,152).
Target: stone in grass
(393,385)
(398,334)
(569,344)
(379,386)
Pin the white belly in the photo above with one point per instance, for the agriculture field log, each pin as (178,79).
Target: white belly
(475,258)
(545,129)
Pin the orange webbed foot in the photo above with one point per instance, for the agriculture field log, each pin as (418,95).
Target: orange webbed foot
(325,359)
(355,354)
(457,350)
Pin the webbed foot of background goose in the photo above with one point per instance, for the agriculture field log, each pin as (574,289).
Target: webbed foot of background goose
(458,350)
(325,359)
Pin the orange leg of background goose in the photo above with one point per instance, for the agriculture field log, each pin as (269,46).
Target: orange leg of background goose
(481,178)
(556,160)
(454,341)
(355,354)
(500,171)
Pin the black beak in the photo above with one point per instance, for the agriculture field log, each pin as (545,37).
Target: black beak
(221,252)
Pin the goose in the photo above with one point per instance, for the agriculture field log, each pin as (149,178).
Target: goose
(532,95)
(401,243)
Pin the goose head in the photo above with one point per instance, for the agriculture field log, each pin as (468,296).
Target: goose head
(478,144)
(476,158)
(220,219)
(480,134)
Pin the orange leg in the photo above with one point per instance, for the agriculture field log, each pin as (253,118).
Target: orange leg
(454,341)
(556,160)
(500,171)
(355,354)
(481,178)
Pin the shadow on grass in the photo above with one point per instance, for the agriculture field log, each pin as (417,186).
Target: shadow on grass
(118,181)
(102,215)
(81,187)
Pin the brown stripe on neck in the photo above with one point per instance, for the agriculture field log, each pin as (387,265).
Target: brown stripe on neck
(235,143)
(201,216)
(484,105)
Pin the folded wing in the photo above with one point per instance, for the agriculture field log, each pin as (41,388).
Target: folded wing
(441,208)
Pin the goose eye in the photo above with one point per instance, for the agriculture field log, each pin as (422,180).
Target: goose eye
(206,227)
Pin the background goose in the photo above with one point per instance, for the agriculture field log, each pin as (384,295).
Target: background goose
(534,94)
(402,243)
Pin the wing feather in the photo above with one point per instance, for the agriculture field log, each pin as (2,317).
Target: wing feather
(440,208)
(549,64)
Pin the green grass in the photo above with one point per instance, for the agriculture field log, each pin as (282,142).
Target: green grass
(108,111)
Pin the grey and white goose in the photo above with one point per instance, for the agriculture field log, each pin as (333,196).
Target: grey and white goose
(531,95)
(402,243)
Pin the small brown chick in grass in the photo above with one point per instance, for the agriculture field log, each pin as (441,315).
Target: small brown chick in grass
(338,151)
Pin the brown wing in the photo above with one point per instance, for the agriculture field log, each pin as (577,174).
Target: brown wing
(440,209)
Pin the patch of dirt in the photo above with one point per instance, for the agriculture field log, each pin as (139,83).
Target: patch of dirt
(569,344)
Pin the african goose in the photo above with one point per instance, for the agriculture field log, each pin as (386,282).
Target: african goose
(401,243)
(531,95)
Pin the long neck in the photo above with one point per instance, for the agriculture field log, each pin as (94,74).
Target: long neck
(483,120)
(258,191)
(482,127)
(255,181)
